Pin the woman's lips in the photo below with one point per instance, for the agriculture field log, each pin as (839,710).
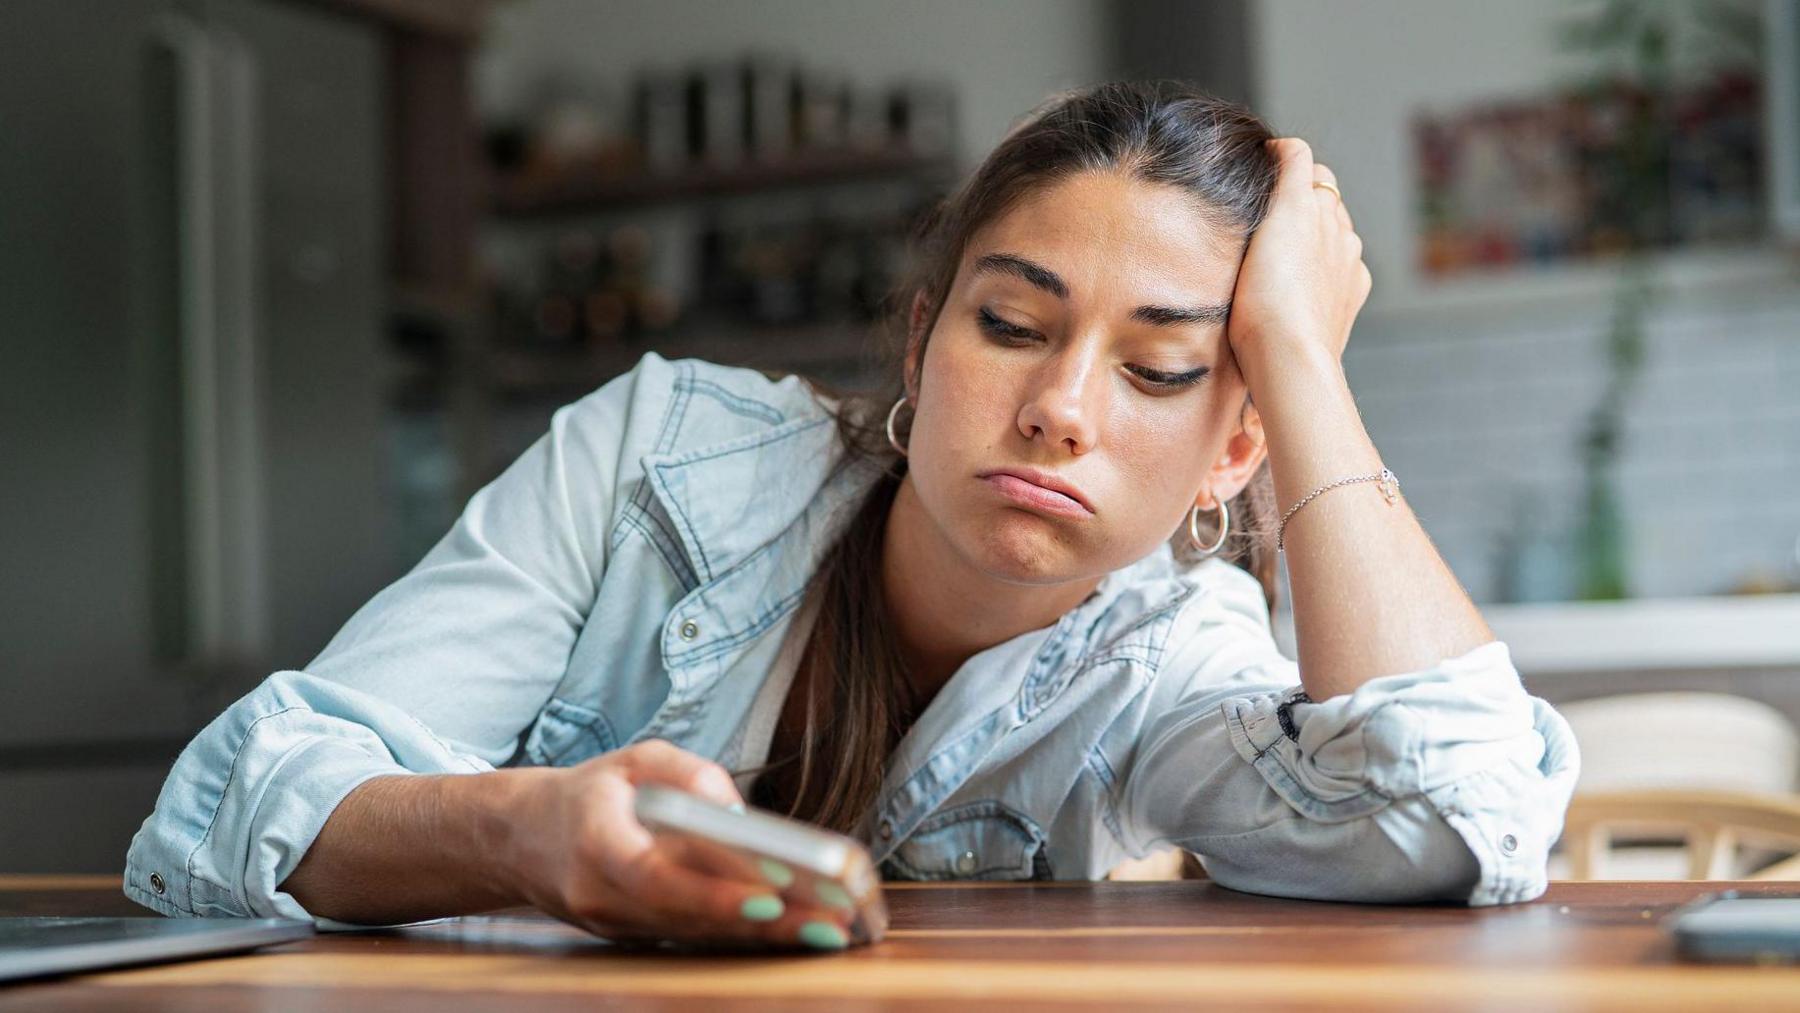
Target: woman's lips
(1033,496)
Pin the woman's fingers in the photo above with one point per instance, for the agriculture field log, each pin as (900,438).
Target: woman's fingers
(1334,201)
(655,761)
(688,904)
(611,834)
(684,896)
(804,899)
(668,887)
(615,877)
(612,837)
(641,884)
(807,924)
(1299,172)
(1296,164)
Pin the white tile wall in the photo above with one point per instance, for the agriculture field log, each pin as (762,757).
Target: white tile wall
(1481,415)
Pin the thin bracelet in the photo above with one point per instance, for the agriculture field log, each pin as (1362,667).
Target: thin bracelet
(1390,488)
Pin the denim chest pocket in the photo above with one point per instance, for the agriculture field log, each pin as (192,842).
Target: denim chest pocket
(566,734)
(979,840)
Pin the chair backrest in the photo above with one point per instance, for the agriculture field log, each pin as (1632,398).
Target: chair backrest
(1668,741)
(1715,771)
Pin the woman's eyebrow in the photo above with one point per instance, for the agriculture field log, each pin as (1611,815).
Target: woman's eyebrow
(1048,280)
(1019,267)
(1169,316)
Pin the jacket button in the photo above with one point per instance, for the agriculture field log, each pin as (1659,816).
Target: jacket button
(965,863)
(1509,844)
(690,630)
(887,830)
(156,883)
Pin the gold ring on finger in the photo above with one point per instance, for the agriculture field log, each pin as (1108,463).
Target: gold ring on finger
(1335,192)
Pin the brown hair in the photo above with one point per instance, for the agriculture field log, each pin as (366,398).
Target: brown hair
(859,701)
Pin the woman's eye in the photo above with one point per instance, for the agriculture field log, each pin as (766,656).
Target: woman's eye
(1172,381)
(994,326)
(1010,333)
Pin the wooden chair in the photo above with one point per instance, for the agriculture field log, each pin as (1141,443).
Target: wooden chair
(1696,781)
(1714,825)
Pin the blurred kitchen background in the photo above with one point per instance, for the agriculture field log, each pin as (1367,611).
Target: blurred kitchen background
(284,281)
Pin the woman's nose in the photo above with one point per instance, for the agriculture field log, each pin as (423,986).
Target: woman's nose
(1062,407)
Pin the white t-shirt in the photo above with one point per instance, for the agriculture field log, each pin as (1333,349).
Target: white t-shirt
(750,747)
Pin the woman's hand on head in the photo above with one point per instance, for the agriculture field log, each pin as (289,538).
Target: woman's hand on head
(580,854)
(1302,280)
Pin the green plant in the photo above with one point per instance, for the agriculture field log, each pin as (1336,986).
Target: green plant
(1631,43)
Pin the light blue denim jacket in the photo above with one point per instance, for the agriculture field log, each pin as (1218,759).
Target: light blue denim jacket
(631,575)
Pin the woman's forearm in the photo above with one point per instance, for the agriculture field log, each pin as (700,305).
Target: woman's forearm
(1371,595)
(565,840)
(411,847)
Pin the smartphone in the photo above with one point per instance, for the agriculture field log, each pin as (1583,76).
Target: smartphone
(1731,927)
(828,868)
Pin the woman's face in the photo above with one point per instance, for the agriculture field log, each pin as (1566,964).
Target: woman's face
(1082,344)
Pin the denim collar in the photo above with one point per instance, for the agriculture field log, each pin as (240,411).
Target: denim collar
(755,516)
(730,499)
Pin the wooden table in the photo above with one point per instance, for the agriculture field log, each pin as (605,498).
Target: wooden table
(1106,945)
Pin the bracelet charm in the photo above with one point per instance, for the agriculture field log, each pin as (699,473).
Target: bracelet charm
(1389,486)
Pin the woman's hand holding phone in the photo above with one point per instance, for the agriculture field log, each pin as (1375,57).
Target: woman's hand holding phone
(579,853)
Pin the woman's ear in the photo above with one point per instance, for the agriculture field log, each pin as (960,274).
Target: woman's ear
(915,342)
(1244,453)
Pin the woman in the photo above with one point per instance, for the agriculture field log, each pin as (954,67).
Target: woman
(1010,623)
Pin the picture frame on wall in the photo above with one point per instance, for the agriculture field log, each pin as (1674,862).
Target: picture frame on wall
(1583,175)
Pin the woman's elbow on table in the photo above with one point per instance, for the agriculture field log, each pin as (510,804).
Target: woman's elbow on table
(1443,784)
(1402,855)
(248,795)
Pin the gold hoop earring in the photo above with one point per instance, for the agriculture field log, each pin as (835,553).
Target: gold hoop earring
(1208,551)
(894,441)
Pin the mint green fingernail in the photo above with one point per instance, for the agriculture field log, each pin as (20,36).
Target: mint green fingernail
(833,895)
(736,807)
(763,908)
(779,876)
(823,936)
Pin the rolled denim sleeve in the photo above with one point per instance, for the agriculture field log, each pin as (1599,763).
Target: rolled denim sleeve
(251,792)
(441,672)
(1447,783)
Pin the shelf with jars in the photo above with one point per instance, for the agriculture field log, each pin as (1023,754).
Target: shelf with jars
(750,212)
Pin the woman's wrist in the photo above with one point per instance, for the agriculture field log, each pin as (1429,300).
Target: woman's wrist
(504,812)
(405,847)
(1315,434)
(1295,375)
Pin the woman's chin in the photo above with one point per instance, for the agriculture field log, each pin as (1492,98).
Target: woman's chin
(1023,548)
